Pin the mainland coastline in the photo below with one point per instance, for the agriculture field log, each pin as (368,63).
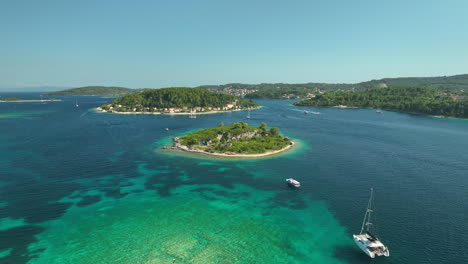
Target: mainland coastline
(411,100)
(29,101)
(396,111)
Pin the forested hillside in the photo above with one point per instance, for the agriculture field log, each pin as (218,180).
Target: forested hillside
(407,99)
(179,97)
(455,85)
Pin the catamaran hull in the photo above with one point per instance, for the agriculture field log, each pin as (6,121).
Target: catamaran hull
(364,248)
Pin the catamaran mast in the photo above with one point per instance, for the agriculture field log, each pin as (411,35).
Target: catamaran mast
(367,221)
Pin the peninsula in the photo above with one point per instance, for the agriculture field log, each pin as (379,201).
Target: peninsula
(95,91)
(237,140)
(19,100)
(416,100)
(179,100)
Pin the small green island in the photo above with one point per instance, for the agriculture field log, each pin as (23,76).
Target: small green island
(237,140)
(177,100)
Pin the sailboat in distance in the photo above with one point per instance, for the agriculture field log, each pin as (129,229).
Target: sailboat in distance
(248,114)
(76,103)
(367,241)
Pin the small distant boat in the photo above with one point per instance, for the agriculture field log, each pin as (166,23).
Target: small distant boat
(306,112)
(293,182)
(378,111)
(248,114)
(368,242)
(192,116)
(76,103)
(167,129)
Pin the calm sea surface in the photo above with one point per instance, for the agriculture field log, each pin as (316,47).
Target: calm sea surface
(83,187)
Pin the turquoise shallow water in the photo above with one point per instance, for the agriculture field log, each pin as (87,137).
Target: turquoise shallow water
(84,187)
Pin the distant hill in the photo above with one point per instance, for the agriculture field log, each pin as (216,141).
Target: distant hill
(457,85)
(32,88)
(95,90)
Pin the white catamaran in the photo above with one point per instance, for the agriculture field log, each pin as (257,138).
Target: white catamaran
(368,242)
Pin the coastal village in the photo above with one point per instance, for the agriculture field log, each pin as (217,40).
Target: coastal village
(172,110)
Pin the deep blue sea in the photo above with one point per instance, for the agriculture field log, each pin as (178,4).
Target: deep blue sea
(78,186)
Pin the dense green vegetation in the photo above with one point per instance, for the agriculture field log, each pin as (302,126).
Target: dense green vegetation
(177,97)
(239,137)
(456,85)
(406,99)
(95,90)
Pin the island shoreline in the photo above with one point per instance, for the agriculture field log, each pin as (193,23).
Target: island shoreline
(100,110)
(199,151)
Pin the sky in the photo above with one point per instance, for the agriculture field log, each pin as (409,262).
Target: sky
(153,43)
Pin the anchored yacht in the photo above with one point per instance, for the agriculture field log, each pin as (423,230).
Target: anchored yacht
(368,242)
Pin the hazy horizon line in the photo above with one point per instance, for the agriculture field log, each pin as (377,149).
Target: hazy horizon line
(49,88)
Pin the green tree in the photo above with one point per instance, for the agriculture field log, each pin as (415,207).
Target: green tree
(274,131)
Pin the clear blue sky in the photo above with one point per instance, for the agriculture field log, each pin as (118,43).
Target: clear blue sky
(154,43)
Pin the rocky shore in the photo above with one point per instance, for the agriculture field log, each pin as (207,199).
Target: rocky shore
(176,145)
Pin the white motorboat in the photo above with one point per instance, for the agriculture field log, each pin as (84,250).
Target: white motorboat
(293,182)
